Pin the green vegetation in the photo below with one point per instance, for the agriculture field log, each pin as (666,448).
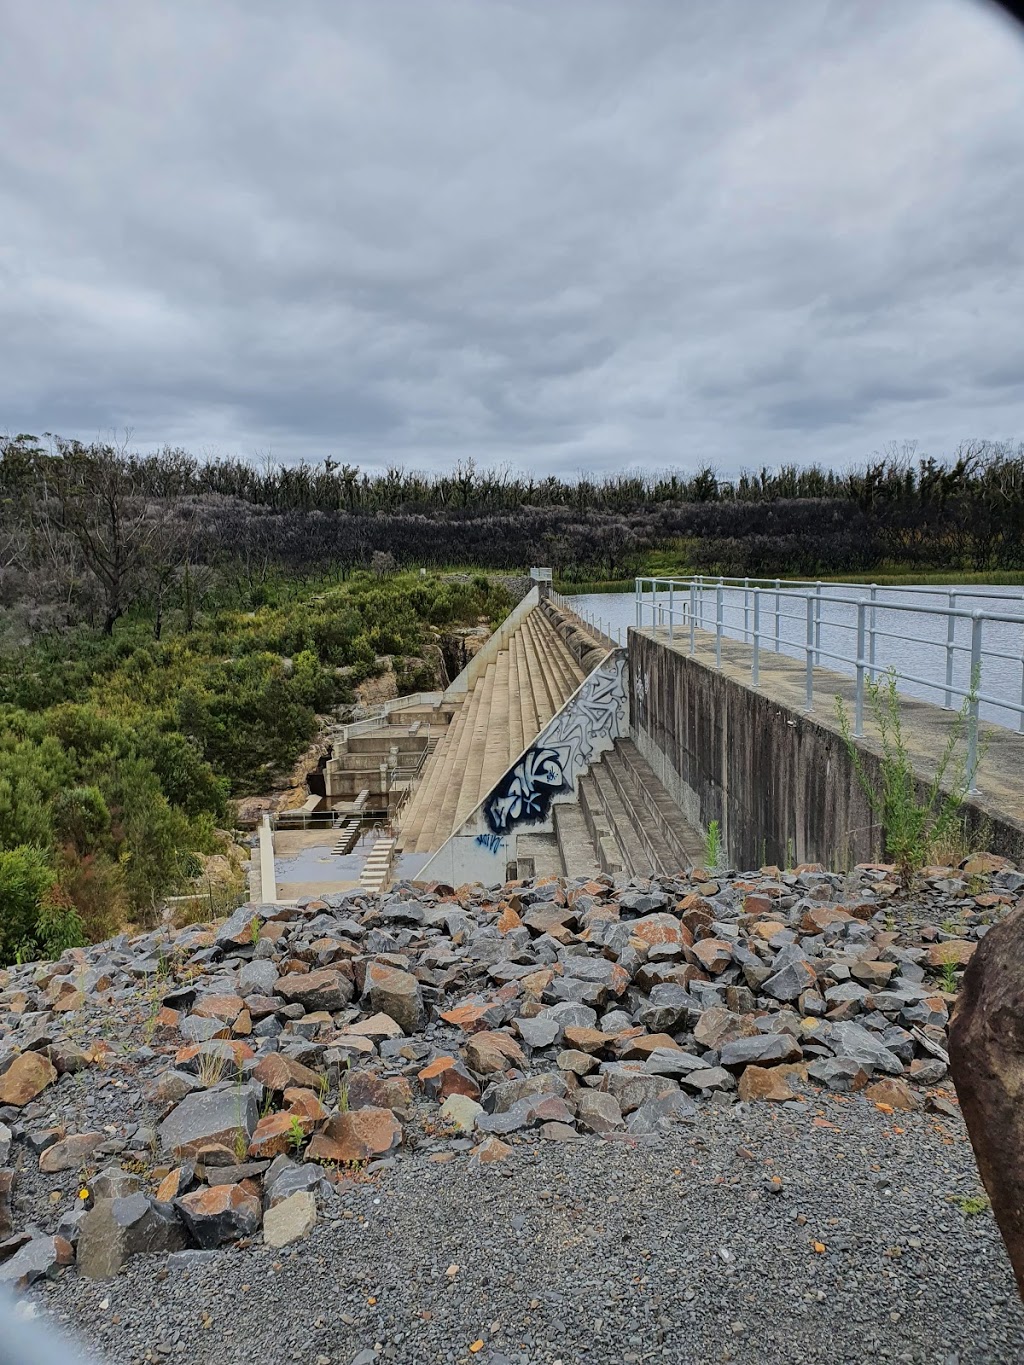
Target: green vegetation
(120,753)
(972,1204)
(912,825)
(948,977)
(713,845)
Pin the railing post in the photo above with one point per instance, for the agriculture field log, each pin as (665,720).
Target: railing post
(700,582)
(746,610)
(817,624)
(871,630)
(692,596)
(755,667)
(778,615)
(809,648)
(719,607)
(977,625)
(950,641)
(639,600)
(671,601)
(654,604)
(858,719)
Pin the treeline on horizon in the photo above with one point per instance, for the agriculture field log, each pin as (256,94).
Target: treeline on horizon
(309,520)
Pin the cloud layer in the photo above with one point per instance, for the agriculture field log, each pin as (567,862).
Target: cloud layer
(579,235)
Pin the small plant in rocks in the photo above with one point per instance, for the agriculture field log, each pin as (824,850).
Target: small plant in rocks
(713,845)
(912,825)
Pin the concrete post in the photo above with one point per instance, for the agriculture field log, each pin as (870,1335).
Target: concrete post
(718,626)
(977,625)
(858,723)
(755,667)
(950,641)
(268,875)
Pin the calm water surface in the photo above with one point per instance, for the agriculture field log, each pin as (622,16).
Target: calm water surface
(914,642)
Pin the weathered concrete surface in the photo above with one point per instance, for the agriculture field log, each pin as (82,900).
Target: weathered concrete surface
(778,778)
(986,1052)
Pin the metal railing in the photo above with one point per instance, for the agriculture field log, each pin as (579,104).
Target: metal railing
(757,611)
(604,627)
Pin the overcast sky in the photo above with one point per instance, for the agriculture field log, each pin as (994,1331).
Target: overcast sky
(561,234)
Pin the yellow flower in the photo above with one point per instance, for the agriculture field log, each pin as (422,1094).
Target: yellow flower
(83,1193)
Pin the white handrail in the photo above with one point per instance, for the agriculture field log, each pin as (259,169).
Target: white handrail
(742,607)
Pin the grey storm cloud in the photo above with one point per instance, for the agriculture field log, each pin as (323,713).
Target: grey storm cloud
(559,234)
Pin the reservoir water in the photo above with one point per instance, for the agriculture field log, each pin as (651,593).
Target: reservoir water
(923,656)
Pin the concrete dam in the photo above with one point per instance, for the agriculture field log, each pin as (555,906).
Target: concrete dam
(559,751)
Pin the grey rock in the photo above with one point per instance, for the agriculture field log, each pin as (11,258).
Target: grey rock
(196,1028)
(668,1061)
(712,1079)
(40,1258)
(765,1049)
(501,1097)
(114,1230)
(539,1032)
(212,1118)
(257,978)
(658,1114)
(851,1040)
(669,1007)
(597,1112)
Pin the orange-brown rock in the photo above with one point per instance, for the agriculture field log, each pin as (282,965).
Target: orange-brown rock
(492,1149)
(894,1093)
(447,1076)
(490,1051)
(26,1077)
(171,1186)
(221,1213)
(764,1083)
(307,1104)
(509,919)
(586,1039)
(279,1133)
(279,1073)
(713,954)
(358,1135)
(955,951)
(640,1047)
(368,1090)
(767,928)
(661,928)
(471,1018)
(227,1008)
(816,920)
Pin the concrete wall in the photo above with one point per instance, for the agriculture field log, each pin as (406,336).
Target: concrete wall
(780,783)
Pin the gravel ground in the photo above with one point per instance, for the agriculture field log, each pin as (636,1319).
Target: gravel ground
(675,1250)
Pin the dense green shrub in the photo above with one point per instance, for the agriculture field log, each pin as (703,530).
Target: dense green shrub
(119,753)
(26,876)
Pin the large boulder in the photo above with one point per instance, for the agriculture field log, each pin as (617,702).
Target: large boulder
(389,990)
(117,1229)
(290,1220)
(986,1054)
(221,1213)
(329,989)
(25,1078)
(356,1135)
(213,1125)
